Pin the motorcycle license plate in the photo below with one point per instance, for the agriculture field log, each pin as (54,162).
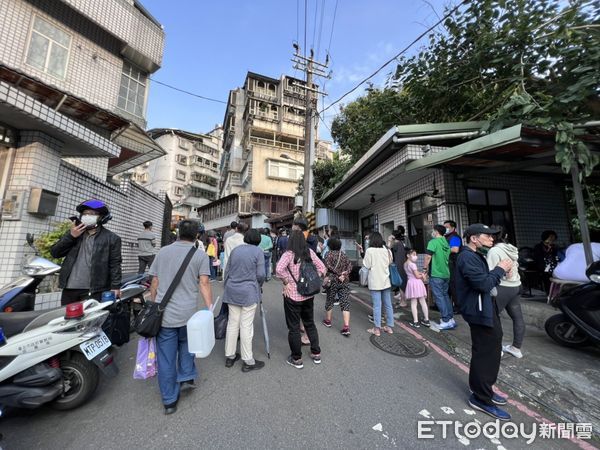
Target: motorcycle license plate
(95,346)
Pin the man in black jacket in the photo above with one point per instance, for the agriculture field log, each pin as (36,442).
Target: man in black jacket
(474,281)
(92,254)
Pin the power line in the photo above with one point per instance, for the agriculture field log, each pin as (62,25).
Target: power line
(332,26)
(305,24)
(320,29)
(187,92)
(315,23)
(452,11)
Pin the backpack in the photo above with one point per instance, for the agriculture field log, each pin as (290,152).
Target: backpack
(310,282)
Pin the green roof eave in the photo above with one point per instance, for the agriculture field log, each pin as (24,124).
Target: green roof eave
(426,129)
(497,139)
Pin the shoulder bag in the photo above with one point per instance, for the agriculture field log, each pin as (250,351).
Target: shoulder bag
(149,320)
(395,277)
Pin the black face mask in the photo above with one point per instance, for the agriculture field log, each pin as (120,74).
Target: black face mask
(483,250)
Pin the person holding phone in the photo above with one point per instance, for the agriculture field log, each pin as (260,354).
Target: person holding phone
(92,255)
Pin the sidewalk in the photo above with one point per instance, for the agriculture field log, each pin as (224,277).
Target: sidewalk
(563,381)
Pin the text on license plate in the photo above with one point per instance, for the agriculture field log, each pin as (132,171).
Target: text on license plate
(95,346)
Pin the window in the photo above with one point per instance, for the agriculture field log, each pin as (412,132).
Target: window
(132,93)
(491,207)
(280,169)
(203,193)
(181,159)
(180,175)
(48,48)
(178,190)
(184,144)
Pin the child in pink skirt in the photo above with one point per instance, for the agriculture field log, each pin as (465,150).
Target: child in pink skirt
(415,289)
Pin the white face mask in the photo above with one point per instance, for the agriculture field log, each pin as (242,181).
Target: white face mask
(89,220)
(414,258)
(433,234)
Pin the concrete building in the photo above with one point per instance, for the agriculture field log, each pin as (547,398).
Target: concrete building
(73,94)
(189,172)
(263,147)
(420,175)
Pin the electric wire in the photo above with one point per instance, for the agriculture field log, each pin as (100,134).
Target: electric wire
(320,30)
(315,24)
(404,50)
(187,92)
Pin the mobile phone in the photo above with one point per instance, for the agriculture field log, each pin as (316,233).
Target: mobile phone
(76,220)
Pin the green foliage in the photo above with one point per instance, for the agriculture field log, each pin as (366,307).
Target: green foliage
(46,240)
(535,62)
(327,174)
(591,197)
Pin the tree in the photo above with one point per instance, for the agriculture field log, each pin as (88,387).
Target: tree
(326,174)
(507,61)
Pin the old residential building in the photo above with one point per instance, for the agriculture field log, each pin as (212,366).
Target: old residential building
(73,93)
(263,148)
(189,172)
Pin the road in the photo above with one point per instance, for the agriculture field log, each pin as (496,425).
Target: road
(359,397)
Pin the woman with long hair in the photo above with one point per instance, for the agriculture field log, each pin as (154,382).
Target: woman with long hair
(243,280)
(378,259)
(338,269)
(298,308)
(509,290)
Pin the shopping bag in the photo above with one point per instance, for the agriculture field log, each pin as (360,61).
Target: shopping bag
(395,278)
(145,361)
(363,276)
(221,322)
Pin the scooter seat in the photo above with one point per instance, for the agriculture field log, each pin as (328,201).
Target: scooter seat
(129,278)
(18,322)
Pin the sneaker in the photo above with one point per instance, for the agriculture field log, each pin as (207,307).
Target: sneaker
(171,409)
(453,322)
(327,323)
(229,362)
(512,351)
(414,324)
(256,366)
(446,325)
(496,399)
(490,410)
(187,385)
(425,323)
(316,358)
(297,363)
(345,331)
(370,316)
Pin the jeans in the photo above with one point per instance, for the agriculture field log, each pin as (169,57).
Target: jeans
(294,313)
(439,290)
(386,296)
(175,362)
(267,265)
(486,351)
(510,298)
(213,268)
(240,323)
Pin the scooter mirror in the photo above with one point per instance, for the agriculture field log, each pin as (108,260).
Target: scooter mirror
(30,239)
(593,272)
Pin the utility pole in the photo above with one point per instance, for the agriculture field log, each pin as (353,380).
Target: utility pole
(310,68)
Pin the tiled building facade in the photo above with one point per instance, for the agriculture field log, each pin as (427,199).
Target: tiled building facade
(73,93)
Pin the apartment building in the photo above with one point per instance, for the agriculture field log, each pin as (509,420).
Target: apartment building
(73,99)
(263,145)
(189,172)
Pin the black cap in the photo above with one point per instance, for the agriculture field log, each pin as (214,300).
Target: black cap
(479,228)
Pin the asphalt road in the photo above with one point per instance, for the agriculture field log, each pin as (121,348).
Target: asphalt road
(359,397)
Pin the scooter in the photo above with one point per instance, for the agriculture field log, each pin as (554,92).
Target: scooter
(19,295)
(53,356)
(579,323)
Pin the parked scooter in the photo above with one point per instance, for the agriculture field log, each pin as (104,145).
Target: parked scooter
(133,291)
(19,295)
(579,323)
(53,356)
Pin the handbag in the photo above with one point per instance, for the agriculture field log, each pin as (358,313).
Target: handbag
(145,361)
(363,276)
(149,320)
(327,279)
(395,278)
(221,322)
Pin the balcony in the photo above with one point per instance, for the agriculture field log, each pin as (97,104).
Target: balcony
(276,143)
(265,95)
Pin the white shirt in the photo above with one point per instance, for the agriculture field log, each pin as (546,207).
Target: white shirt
(232,242)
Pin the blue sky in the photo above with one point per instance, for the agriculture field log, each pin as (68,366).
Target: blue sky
(210,45)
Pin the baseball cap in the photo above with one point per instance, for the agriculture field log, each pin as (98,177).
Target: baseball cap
(479,228)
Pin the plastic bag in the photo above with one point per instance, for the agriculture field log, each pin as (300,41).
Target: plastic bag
(145,362)
(221,322)
(363,276)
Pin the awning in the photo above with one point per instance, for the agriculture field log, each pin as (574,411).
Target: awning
(137,148)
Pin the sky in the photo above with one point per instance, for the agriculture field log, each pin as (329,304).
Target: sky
(210,45)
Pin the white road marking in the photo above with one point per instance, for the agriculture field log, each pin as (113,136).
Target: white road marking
(378,427)
(470,412)
(447,410)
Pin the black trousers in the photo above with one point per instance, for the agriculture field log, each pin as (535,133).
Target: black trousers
(78,295)
(145,261)
(486,351)
(294,313)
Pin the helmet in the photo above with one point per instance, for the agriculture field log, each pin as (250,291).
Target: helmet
(96,205)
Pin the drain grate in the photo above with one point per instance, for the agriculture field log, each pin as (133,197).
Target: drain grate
(400,344)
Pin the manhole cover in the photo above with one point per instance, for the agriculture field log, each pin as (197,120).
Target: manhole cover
(399,345)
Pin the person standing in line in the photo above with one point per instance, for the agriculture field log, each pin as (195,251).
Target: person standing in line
(509,290)
(212,248)
(338,269)
(242,293)
(415,289)
(230,232)
(438,254)
(92,255)
(282,243)
(455,243)
(474,283)
(402,237)
(545,255)
(299,309)
(176,365)
(399,254)
(233,241)
(147,247)
(266,244)
(377,259)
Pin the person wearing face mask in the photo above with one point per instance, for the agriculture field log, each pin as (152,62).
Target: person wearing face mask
(92,255)
(438,253)
(545,255)
(474,283)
